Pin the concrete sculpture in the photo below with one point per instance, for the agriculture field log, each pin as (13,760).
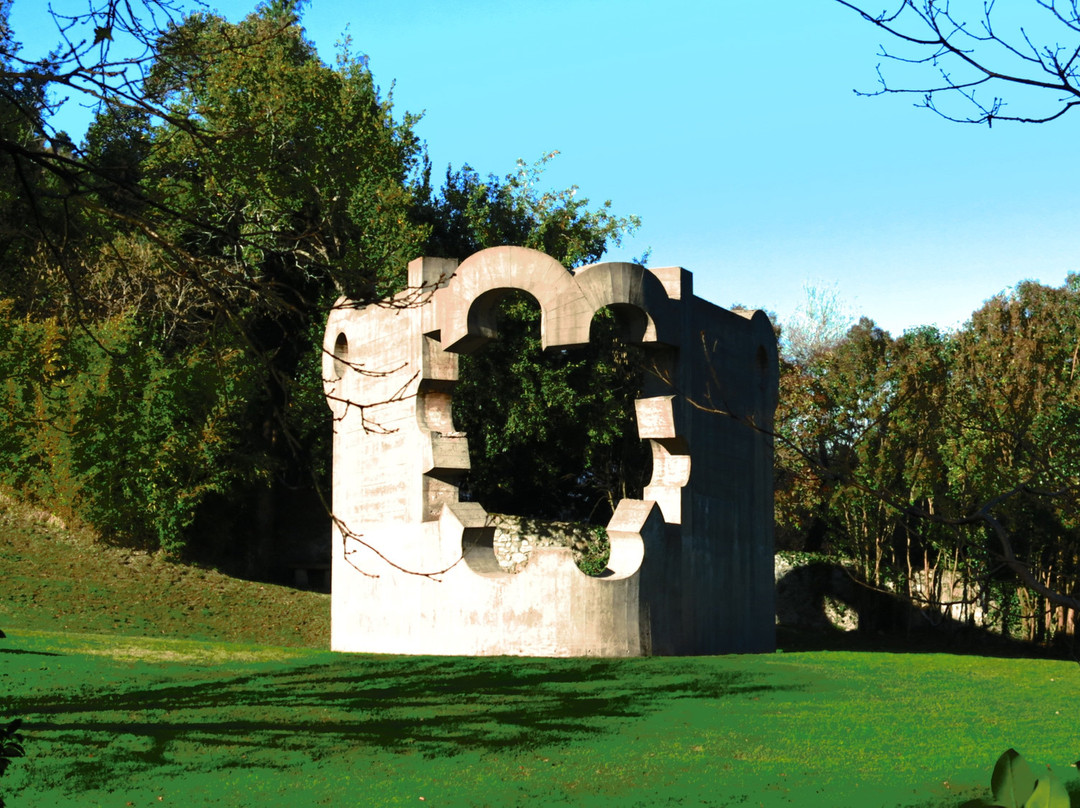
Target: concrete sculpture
(414,570)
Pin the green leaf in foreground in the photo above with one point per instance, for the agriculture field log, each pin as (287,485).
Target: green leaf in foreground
(1049,793)
(1012,782)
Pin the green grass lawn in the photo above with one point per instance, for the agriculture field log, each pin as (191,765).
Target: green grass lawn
(115,662)
(117,721)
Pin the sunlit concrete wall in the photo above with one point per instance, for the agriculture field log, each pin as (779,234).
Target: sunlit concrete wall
(414,570)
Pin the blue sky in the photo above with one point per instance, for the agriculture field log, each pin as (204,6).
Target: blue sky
(731,128)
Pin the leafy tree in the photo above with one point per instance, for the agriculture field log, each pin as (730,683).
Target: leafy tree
(836,451)
(48,185)
(945,466)
(1011,436)
(105,427)
(219,205)
(470,213)
(294,189)
(818,324)
(196,95)
(296,180)
(556,437)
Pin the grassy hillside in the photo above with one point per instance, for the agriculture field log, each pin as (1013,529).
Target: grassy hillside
(57,579)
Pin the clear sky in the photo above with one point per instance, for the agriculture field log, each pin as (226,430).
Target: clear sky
(731,128)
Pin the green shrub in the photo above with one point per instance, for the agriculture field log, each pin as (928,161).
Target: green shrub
(593,558)
(103,425)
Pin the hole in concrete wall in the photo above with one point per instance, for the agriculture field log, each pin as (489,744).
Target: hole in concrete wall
(761,365)
(552,434)
(516,537)
(341,355)
(622,321)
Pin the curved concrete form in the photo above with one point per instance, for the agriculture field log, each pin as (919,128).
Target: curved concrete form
(415,570)
(466,307)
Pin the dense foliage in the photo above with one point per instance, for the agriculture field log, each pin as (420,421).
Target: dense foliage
(165,282)
(935,460)
(557,437)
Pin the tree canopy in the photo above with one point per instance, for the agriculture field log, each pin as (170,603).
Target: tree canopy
(934,458)
(167,278)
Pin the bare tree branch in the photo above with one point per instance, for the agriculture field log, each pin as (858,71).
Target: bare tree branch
(991,60)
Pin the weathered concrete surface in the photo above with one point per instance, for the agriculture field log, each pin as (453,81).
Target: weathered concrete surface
(691,569)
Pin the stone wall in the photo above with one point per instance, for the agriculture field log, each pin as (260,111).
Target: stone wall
(821,594)
(516,536)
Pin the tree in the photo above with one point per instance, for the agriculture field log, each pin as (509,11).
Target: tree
(51,182)
(817,325)
(836,428)
(980,54)
(470,213)
(173,101)
(296,187)
(946,467)
(219,204)
(556,438)
(166,320)
(1011,438)
(29,211)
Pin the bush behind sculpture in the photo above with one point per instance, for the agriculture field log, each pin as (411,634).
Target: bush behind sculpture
(102,425)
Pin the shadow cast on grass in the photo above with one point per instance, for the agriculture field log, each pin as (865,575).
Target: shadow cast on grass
(29,653)
(434,707)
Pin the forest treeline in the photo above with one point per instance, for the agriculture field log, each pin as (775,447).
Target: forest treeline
(165,282)
(944,465)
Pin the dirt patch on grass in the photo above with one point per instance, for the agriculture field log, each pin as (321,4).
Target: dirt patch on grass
(58,578)
(153,649)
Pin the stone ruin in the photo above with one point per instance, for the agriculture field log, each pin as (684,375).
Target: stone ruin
(415,570)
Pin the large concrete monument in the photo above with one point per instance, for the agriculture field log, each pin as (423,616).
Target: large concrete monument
(415,570)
